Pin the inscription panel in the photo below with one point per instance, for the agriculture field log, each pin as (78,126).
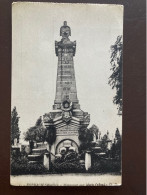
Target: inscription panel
(67,130)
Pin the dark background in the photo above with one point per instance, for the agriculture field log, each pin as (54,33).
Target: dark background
(134,110)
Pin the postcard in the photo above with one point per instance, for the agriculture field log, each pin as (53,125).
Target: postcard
(66,114)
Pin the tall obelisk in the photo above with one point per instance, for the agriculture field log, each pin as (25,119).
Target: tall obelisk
(65,121)
(65,83)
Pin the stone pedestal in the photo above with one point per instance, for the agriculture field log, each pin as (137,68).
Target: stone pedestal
(87,160)
(46,161)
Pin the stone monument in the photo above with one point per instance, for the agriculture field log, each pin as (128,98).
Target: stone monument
(66,119)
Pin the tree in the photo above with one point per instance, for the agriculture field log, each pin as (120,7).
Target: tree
(104,143)
(118,143)
(116,147)
(15,132)
(115,80)
(94,130)
(50,135)
(86,136)
(117,134)
(36,133)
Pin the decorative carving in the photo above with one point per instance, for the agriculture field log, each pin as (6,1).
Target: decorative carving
(47,118)
(86,118)
(66,107)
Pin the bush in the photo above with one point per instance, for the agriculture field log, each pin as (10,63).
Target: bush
(68,163)
(106,166)
(68,167)
(27,168)
(21,166)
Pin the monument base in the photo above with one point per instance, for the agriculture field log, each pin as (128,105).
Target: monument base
(67,125)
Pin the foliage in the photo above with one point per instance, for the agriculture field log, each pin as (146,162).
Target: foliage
(36,133)
(118,144)
(116,147)
(86,135)
(39,133)
(68,167)
(82,134)
(68,163)
(84,147)
(50,135)
(117,134)
(115,80)
(94,129)
(15,132)
(106,166)
(104,143)
(21,166)
(69,156)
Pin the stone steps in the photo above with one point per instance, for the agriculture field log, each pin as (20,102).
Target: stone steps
(97,149)
(35,157)
(39,150)
(33,162)
(101,154)
(37,153)
(41,145)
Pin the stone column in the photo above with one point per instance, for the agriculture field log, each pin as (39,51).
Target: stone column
(87,160)
(46,161)
(15,142)
(47,146)
(53,152)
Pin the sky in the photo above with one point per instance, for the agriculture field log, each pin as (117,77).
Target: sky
(35,27)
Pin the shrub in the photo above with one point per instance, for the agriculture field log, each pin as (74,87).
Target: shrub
(27,168)
(21,166)
(67,167)
(106,166)
(68,163)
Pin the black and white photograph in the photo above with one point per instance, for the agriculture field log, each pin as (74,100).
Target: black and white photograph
(66,97)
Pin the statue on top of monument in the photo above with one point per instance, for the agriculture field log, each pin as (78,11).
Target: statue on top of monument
(65,45)
(65,31)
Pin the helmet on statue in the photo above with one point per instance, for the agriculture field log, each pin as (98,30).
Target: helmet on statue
(65,30)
